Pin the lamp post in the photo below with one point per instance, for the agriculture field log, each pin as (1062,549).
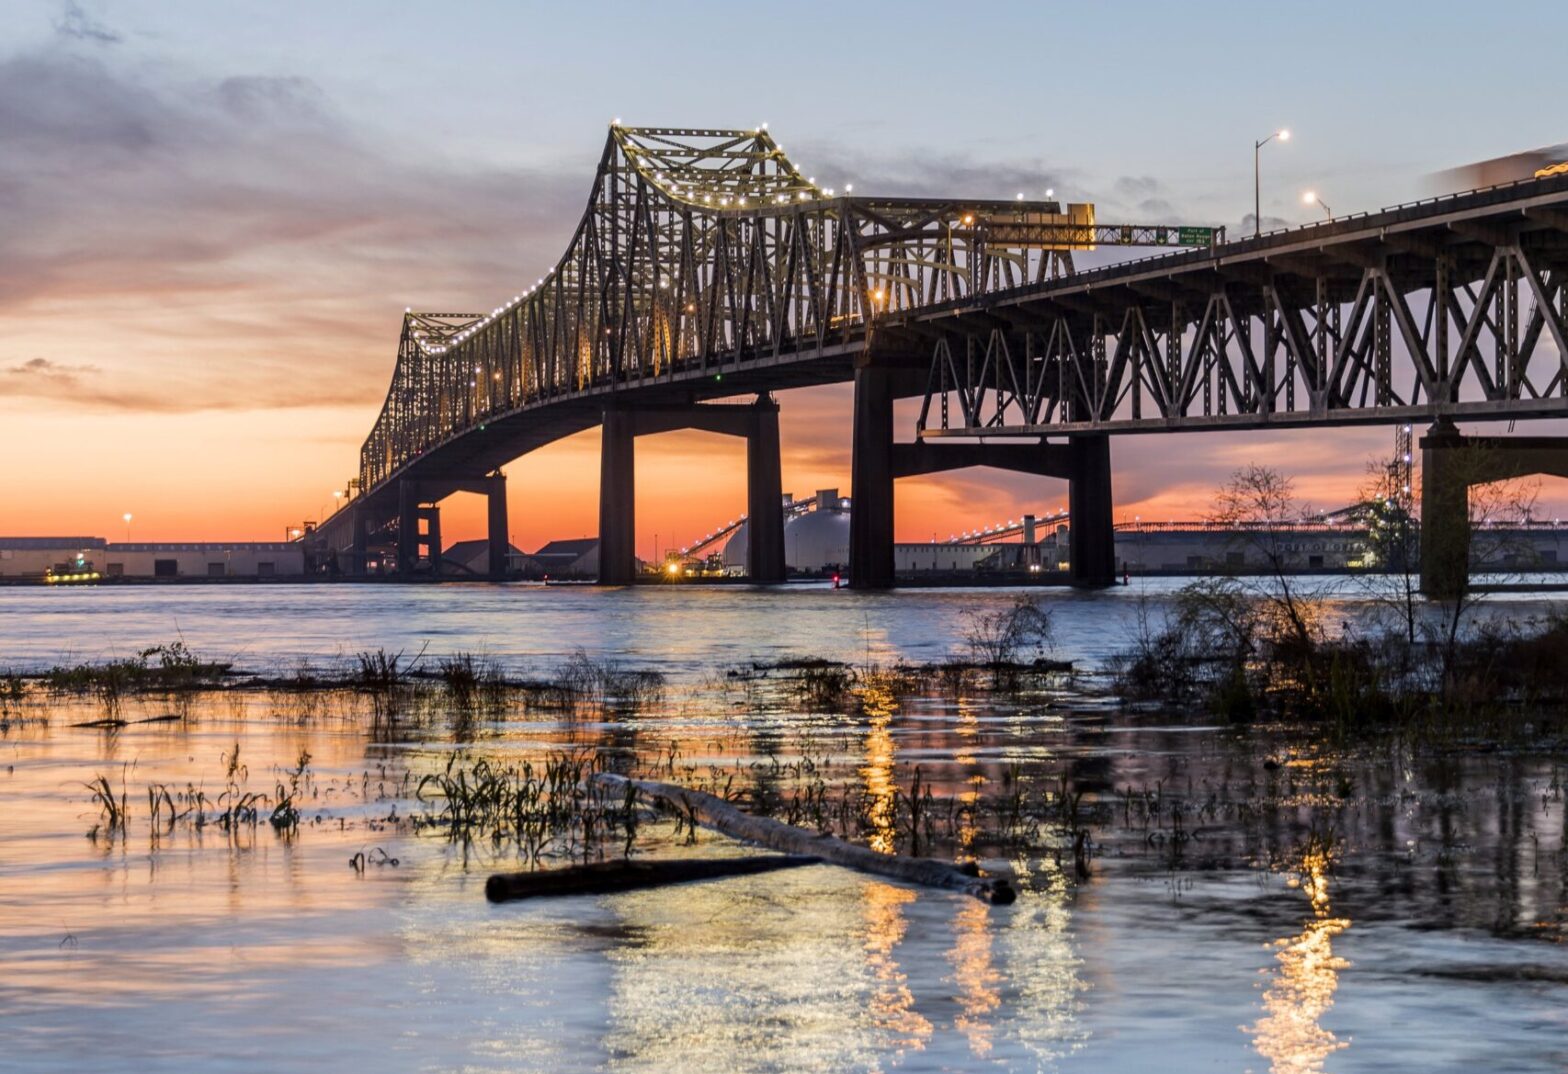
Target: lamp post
(127,517)
(1257,182)
(1311,197)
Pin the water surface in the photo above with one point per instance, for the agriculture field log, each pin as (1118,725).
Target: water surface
(1257,899)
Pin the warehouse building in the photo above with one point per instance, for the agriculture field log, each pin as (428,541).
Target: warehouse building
(236,559)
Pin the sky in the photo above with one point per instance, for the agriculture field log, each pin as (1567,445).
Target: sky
(213,215)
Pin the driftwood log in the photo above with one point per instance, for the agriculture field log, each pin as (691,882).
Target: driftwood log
(716,813)
(604,877)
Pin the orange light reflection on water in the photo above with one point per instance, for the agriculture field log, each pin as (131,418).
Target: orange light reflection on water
(1291,1034)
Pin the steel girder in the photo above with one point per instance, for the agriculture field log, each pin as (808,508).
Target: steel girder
(1456,308)
(700,252)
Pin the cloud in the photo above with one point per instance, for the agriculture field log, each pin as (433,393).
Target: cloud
(90,386)
(74,22)
(230,235)
(932,174)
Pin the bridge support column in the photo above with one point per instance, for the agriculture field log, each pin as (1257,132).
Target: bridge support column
(407,529)
(871,481)
(359,544)
(764,496)
(617,499)
(431,540)
(418,530)
(1091,539)
(498,542)
(1445,513)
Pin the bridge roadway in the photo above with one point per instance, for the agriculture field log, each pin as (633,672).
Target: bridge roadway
(707,268)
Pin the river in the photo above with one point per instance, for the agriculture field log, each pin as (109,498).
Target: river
(1258,900)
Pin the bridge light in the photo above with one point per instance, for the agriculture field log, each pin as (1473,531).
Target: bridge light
(968,219)
(849,188)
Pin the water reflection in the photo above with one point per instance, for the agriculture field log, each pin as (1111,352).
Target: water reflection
(976,978)
(1291,1034)
(880,705)
(892,1004)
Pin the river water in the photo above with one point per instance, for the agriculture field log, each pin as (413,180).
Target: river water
(1257,901)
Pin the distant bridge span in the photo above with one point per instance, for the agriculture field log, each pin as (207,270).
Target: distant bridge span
(707,267)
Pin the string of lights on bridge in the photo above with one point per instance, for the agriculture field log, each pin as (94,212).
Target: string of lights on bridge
(804,189)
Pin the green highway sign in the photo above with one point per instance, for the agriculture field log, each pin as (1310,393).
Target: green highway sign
(1195,236)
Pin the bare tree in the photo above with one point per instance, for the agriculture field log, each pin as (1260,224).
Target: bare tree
(1391,558)
(1259,506)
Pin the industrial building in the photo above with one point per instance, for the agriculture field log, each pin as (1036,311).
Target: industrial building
(35,558)
(235,559)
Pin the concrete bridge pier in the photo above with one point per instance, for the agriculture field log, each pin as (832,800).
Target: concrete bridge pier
(757,422)
(617,498)
(418,531)
(498,541)
(871,480)
(1091,538)
(1450,464)
(1445,513)
(764,496)
(358,543)
(1084,462)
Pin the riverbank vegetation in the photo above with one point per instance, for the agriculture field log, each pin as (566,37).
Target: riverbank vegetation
(1240,648)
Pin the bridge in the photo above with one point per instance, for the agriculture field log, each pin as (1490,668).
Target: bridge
(708,272)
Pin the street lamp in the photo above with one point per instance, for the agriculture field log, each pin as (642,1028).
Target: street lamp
(127,517)
(1257,184)
(1311,197)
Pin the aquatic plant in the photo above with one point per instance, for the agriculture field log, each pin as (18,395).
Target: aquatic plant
(540,809)
(114,808)
(1000,637)
(583,680)
(471,680)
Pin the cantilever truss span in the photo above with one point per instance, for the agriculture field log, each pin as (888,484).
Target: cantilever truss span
(701,251)
(1455,307)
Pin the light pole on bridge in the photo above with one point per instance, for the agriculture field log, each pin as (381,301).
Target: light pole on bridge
(1257,181)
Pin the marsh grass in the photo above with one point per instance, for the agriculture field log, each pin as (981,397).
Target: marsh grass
(582,681)
(544,809)
(114,808)
(472,682)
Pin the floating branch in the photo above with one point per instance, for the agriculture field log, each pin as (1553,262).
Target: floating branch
(602,878)
(712,812)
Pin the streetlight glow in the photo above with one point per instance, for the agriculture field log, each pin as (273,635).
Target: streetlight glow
(1283,135)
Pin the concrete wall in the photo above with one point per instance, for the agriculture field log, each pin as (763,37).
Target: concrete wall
(1202,550)
(235,560)
(910,558)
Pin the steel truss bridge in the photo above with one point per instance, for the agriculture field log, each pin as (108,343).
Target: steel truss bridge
(708,267)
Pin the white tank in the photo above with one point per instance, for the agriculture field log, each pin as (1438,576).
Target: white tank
(815,541)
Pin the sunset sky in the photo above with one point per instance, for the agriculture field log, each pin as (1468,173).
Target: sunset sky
(213,215)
